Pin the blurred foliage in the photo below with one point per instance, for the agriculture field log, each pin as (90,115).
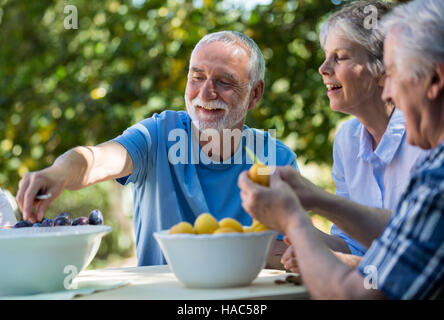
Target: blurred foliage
(127,60)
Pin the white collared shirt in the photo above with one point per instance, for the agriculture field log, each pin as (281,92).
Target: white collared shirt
(373,178)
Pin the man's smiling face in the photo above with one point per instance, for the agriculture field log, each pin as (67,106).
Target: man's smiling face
(218,91)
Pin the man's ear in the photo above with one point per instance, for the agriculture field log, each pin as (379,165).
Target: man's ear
(256,94)
(436,83)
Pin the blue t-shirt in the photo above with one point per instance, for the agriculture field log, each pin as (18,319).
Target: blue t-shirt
(173,181)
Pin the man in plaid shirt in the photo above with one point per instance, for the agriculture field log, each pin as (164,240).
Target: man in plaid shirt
(405,259)
(409,255)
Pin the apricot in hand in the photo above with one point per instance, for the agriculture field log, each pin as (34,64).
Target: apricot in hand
(260,173)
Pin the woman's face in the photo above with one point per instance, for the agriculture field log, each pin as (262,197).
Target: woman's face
(349,83)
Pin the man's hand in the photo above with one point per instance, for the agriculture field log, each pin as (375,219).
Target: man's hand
(290,262)
(277,248)
(50,180)
(274,206)
(288,259)
(76,169)
(365,224)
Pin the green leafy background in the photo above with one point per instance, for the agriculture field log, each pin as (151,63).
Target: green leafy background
(61,88)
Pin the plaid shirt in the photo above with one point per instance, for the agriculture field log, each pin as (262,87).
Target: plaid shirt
(407,261)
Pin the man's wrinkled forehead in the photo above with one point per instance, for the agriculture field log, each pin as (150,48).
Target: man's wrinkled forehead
(236,49)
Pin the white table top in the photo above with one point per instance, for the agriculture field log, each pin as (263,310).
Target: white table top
(159,283)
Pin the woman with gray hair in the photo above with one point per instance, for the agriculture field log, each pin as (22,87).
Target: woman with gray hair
(372,159)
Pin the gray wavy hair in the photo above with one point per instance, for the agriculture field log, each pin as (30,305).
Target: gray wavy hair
(256,61)
(350,22)
(419,29)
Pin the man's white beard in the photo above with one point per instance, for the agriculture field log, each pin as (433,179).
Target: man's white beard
(227,121)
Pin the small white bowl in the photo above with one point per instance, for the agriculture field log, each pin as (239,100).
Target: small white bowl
(45,259)
(215,260)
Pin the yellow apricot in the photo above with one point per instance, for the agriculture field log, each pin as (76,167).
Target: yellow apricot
(260,174)
(247,229)
(206,223)
(182,227)
(231,223)
(255,223)
(257,226)
(225,230)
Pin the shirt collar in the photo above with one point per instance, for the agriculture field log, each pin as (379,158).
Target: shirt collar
(390,142)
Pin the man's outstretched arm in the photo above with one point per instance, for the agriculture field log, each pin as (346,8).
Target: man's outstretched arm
(75,169)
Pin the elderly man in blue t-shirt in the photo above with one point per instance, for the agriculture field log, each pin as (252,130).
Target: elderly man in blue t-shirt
(180,164)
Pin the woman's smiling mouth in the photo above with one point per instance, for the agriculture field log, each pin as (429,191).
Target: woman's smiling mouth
(333,88)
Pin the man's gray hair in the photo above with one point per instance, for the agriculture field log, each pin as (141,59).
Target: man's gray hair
(351,23)
(419,29)
(256,61)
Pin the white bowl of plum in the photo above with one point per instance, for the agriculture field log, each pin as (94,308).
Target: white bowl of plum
(46,256)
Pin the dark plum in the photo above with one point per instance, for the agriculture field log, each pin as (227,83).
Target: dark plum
(95,217)
(23,224)
(66,215)
(80,221)
(62,221)
(37,224)
(46,222)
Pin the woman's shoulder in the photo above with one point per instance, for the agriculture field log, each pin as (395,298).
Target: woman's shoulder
(348,129)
